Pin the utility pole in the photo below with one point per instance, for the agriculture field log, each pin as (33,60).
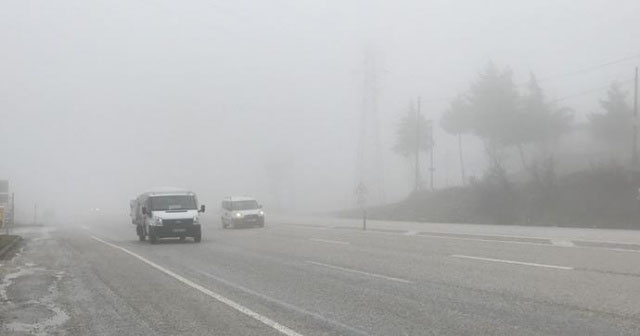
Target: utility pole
(634,153)
(13,212)
(369,159)
(464,178)
(431,168)
(416,187)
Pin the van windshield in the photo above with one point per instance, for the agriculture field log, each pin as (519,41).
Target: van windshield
(173,202)
(244,205)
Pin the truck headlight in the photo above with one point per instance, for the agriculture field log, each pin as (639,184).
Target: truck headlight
(261,213)
(238,214)
(158,221)
(196,220)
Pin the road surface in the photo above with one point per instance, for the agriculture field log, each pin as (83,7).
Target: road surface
(322,277)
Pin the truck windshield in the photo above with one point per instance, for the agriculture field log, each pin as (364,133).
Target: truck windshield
(244,205)
(173,202)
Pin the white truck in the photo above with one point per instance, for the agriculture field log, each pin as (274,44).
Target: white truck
(167,212)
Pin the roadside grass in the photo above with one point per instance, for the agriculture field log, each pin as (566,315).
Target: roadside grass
(5,240)
(600,197)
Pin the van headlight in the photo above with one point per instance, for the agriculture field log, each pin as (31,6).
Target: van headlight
(158,221)
(238,214)
(196,220)
(261,213)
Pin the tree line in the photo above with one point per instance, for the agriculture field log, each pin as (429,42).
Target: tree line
(506,118)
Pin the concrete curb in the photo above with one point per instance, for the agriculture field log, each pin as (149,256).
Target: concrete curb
(9,246)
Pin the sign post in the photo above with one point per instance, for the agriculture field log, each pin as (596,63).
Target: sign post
(361,192)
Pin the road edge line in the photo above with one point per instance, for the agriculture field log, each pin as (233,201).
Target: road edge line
(246,311)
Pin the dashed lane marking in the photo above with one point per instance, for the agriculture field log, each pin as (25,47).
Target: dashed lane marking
(329,241)
(350,270)
(511,262)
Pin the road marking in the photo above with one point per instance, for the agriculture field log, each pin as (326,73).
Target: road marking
(552,242)
(273,324)
(512,262)
(427,235)
(481,240)
(330,241)
(285,304)
(562,242)
(359,272)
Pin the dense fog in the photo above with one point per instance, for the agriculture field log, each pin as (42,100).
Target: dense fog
(100,101)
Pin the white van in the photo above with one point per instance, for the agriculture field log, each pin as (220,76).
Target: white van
(167,212)
(241,211)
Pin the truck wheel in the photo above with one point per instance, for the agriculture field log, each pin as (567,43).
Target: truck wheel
(224,224)
(140,232)
(198,237)
(182,238)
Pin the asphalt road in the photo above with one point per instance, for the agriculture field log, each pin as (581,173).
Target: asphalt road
(322,277)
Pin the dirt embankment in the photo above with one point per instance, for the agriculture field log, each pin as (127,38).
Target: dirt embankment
(598,197)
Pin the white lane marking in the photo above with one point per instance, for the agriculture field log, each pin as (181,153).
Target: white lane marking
(426,235)
(482,240)
(562,242)
(358,272)
(609,249)
(284,304)
(329,241)
(273,324)
(550,244)
(512,262)
(305,226)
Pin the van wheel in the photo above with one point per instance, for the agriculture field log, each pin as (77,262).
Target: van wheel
(198,237)
(224,224)
(182,238)
(152,237)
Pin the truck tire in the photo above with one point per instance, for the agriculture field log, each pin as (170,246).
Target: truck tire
(224,223)
(197,237)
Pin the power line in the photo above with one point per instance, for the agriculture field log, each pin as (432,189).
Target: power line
(547,78)
(587,92)
(588,69)
(578,94)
